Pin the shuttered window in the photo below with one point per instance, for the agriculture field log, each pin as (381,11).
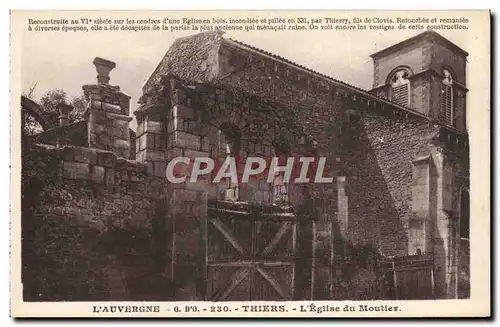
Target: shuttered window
(446,103)
(401,94)
(400,88)
(446,112)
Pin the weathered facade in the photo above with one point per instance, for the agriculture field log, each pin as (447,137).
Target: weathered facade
(398,155)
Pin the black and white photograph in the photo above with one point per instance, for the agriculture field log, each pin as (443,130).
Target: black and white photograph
(232,163)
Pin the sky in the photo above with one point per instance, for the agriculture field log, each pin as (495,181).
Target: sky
(58,60)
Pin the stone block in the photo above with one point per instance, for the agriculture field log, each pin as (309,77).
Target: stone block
(140,128)
(185,140)
(117,117)
(192,154)
(158,142)
(98,116)
(76,170)
(121,143)
(174,153)
(97,128)
(147,141)
(106,159)
(140,156)
(85,155)
(122,152)
(108,107)
(96,104)
(120,131)
(137,145)
(153,155)
(104,141)
(181,111)
(172,125)
(153,126)
(159,169)
(191,126)
(98,174)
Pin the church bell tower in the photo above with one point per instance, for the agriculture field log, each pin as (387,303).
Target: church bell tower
(425,73)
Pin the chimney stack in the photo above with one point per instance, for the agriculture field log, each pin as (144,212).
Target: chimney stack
(103,68)
(64,110)
(108,112)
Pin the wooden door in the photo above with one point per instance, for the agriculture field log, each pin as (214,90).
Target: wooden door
(249,256)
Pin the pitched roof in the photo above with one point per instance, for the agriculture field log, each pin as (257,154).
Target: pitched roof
(330,79)
(365,94)
(427,35)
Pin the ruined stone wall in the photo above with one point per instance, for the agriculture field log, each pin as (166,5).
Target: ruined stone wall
(74,134)
(92,227)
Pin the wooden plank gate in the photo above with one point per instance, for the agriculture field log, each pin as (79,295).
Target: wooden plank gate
(409,277)
(250,252)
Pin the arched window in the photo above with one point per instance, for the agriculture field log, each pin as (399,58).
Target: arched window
(400,87)
(230,146)
(446,112)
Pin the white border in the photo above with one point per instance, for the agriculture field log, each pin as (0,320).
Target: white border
(150,4)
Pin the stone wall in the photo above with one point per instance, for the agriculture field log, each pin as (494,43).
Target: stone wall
(72,134)
(92,227)
(190,119)
(403,177)
(416,56)
(380,151)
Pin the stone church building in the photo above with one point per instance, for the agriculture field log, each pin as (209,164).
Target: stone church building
(102,222)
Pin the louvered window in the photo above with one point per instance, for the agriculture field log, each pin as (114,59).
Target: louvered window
(446,113)
(400,88)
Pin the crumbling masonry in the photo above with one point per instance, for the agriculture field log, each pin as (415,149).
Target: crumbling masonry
(101,221)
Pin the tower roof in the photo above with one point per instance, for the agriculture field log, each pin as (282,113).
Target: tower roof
(428,35)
